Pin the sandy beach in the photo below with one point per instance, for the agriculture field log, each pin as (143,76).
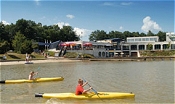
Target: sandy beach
(37,61)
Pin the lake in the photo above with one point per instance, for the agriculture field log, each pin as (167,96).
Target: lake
(150,81)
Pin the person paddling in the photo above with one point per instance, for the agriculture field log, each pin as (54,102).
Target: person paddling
(31,75)
(79,89)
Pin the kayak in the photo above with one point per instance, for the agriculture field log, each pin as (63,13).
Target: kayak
(89,95)
(28,63)
(31,81)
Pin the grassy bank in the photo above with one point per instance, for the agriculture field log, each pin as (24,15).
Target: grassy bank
(16,56)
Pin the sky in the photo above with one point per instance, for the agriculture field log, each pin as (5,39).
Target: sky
(86,16)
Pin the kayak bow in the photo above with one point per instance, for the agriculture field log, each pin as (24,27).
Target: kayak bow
(31,81)
(90,95)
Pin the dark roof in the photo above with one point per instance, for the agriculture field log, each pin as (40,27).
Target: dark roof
(41,43)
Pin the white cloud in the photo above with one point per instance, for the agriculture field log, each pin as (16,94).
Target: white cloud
(107,3)
(37,2)
(149,24)
(82,32)
(70,16)
(61,24)
(126,3)
(43,17)
(120,27)
(5,22)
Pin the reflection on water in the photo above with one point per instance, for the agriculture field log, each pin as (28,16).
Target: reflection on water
(152,82)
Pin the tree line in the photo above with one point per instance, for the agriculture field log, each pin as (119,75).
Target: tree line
(24,34)
(101,35)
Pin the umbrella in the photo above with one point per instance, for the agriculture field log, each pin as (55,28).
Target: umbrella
(64,44)
(87,44)
(72,44)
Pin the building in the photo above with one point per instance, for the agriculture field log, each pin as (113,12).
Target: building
(170,36)
(117,47)
(136,44)
(143,39)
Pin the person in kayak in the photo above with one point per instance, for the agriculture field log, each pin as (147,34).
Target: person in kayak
(31,75)
(79,89)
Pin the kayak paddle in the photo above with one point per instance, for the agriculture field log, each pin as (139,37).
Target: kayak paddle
(36,74)
(92,88)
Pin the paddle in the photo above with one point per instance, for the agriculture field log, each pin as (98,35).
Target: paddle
(36,74)
(92,88)
(37,71)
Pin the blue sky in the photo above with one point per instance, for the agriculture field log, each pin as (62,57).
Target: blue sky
(85,16)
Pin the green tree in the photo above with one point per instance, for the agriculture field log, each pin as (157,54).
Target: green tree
(142,34)
(67,34)
(150,33)
(168,45)
(162,36)
(34,44)
(119,35)
(4,46)
(26,27)
(26,47)
(149,46)
(116,34)
(4,39)
(98,35)
(135,34)
(10,32)
(3,32)
(21,44)
(127,34)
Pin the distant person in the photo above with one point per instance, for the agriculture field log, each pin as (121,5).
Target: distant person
(4,57)
(32,74)
(27,57)
(79,89)
(30,58)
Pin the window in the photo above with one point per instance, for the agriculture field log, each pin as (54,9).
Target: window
(130,40)
(147,39)
(141,47)
(152,39)
(143,39)
(138,39)
(103,54)
(99,54)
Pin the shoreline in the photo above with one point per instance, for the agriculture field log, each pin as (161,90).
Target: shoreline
(61,59)
(16,62)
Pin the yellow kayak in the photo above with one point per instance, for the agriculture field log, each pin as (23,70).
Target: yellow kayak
(89,95)
(31,81)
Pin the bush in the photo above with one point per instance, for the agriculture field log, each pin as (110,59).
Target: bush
(158,53)
(74,55)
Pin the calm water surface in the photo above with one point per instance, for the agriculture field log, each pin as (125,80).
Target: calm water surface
(151,81)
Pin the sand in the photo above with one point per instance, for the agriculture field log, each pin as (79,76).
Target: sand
(37,61)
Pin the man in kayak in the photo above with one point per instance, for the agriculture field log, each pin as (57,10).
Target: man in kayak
(32,73)
(79,89)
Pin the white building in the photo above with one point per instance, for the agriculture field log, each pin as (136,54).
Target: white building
(143,39)
(170,36)
(117,47)
(136,44)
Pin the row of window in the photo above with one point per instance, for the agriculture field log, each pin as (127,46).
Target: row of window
(142,47)
(141,39)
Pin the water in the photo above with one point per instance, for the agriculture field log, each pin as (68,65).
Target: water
(150,81)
